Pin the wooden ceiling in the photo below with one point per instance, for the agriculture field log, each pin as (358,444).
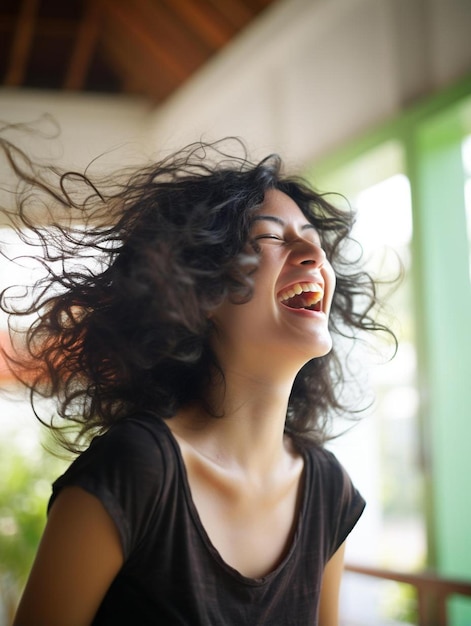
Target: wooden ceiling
(147,47)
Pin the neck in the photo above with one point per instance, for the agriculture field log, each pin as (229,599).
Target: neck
(249,434)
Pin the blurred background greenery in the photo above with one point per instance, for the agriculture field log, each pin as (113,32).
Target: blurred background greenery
(27,470)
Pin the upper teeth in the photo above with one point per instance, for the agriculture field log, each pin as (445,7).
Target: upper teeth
(298,288)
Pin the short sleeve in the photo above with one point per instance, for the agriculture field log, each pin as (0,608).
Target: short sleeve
(345,503)
(335,504)
(124,469)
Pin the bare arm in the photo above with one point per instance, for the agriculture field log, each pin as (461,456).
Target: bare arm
(79,556)
(329,601)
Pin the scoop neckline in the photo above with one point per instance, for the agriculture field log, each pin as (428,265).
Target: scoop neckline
(199,526)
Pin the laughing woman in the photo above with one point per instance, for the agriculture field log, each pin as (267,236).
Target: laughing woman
(195,359)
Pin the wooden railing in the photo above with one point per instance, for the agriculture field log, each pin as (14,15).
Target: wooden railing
(432,591)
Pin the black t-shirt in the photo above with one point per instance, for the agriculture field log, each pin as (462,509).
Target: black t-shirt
(172,574)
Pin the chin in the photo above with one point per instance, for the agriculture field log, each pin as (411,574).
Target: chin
(322,352)
(322,347)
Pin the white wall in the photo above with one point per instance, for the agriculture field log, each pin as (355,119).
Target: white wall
(89,126)
(310,74)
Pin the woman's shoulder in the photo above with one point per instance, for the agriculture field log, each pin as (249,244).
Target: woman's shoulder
(127,469)
(133,434)
(328,471)
(133,453)
(134,439)
(334,500)
(321,457)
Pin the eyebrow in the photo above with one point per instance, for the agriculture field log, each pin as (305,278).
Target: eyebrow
(278,220)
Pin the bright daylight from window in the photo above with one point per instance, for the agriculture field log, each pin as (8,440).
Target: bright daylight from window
(383,450)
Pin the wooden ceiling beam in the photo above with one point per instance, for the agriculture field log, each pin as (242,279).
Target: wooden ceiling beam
(258,5)
(7,23)
(124,15)
(187,49)
(213,31)
(235,12)
(55,27)
(22,41)
(153,45)
(84,48)
(137,75)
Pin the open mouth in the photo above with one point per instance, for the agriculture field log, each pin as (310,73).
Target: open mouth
(303,296)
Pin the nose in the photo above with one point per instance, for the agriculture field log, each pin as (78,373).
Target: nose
(309,253)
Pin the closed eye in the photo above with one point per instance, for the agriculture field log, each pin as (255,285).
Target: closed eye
(269,236)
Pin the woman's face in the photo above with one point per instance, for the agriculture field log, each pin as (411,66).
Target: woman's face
(287,317)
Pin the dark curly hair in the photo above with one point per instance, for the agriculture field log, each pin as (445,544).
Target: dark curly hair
(129,333)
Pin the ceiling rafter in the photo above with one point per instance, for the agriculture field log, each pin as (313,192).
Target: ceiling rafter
(148,47)
(234,11)
(22,40)
(85,45)
(54,27)
(131,26)
(181,42)
(134,72)
(213,31)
